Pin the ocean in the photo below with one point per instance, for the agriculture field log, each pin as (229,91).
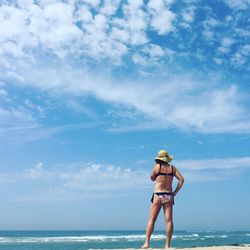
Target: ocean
(81,240)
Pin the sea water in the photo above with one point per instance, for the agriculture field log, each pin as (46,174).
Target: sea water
(81,240)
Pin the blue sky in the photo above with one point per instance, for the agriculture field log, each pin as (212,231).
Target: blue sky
(91,90)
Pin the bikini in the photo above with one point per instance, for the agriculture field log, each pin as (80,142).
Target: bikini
(165,197)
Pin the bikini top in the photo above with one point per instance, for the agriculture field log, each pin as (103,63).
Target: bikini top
(170,174)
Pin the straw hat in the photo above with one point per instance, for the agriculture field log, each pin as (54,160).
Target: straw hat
(164,156)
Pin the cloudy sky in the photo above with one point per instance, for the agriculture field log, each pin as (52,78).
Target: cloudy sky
(90,90)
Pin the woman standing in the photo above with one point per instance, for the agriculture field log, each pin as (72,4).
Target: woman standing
(163,196)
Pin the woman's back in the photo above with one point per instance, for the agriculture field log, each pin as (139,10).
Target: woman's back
(164,177)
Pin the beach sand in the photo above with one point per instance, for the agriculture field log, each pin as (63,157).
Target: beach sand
(242,247)
(245,247)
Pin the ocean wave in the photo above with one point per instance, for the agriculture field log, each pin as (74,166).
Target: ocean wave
(106,238)
(77,238)
(197,237)
(223,236)
(185,236)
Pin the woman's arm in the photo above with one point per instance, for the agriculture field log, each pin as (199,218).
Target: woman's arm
(180,178)
(153,175)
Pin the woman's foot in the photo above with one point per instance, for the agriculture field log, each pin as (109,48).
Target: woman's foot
(145,246)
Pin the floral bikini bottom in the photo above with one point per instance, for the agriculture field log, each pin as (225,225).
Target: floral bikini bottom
(165,197)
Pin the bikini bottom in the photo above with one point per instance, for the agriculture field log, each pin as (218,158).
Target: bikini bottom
(165,197)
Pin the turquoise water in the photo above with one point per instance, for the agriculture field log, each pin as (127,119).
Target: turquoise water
(80,240)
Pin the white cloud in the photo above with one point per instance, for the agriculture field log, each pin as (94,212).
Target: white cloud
(213,169)
(120,34)
(227,42)
(162,18)
(80,108)
(217,115)
(151,55)
(217,163)
(35,108)
(13,118)
(107,177)
(98,43)
(244,33)
(110,7)
(52,27)
(31,25)
(245,50)
(93,3)
(209,24)
(188,14)
(186,103)
(238,4)
(13,22)
(12,75)
(83,15)
(224,50)
(154,50)
(238,60)
(100,30)
(77,181)
(24,132)
(37,34)
(3,93)
(23,121)
(135,22)
(218,61)
(139,59)
(80,180)
(20,122)
(36,172)
(156,5)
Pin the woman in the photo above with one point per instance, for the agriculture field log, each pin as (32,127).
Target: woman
(163,175)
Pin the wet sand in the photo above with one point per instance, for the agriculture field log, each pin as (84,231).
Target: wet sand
(242,247)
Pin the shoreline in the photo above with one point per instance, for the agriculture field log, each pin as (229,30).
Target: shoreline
(239,247)
(236,247)
(195,248)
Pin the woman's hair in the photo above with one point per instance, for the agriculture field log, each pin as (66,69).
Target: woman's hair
(160,162)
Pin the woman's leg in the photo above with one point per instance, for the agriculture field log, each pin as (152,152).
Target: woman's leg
(168,212)
(154,211)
